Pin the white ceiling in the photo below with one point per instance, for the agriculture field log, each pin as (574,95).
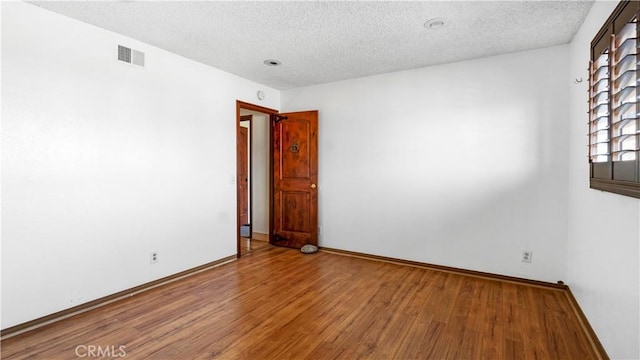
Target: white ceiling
(320,41)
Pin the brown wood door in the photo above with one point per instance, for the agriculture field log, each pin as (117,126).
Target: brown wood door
(243,175)
(295,179)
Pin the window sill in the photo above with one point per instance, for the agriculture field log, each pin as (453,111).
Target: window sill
(625,188)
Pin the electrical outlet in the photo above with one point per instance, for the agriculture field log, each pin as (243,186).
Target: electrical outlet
(527,256)
(153,258)
(319,230)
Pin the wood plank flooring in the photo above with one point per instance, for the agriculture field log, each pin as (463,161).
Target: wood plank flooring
(251,245)
(276,303)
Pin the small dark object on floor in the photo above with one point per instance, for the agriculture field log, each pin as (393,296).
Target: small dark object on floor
(309,249)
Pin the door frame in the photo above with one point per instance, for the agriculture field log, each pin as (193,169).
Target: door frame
(270,112)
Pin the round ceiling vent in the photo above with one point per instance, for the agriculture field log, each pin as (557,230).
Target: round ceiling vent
(436,23)
(271,62)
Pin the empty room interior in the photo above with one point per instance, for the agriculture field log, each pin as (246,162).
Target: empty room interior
(463,174)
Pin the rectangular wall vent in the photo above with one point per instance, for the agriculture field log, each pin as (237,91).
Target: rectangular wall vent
(130,56)
(124,54)
(137,58)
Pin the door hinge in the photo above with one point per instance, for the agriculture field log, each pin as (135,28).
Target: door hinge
(277,118)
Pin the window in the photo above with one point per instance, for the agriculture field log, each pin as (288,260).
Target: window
(614,106)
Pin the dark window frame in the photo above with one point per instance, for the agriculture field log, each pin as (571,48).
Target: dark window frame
(606,173)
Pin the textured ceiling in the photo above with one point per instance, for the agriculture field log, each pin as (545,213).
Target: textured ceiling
(319,41)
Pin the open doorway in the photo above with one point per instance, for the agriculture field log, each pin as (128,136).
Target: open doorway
(290,201)
(253,176)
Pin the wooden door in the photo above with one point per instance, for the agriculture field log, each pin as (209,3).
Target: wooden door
(295,179)
(243,175)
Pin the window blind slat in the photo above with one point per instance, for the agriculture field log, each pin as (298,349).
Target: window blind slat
(627,46)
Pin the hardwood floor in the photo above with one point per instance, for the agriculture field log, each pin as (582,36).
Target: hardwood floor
(248,246)
(277,303)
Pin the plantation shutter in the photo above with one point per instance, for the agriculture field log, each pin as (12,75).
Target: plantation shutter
(614,108)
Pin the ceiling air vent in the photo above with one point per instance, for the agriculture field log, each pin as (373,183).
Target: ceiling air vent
(130,56)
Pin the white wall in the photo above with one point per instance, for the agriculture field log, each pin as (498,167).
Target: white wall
(461,164)
(603,238)
(104,162)
(261,183)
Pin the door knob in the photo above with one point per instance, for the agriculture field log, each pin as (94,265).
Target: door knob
(313,186)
